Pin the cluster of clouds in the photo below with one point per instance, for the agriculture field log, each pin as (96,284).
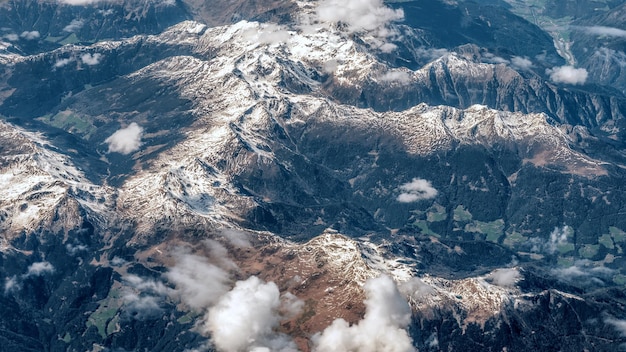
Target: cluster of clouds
(362,16)
(245,315)
(35,269)
(26,35)
(89,59)
(517,62)
(417,189)
(242,318)
(383,328)
(125,140)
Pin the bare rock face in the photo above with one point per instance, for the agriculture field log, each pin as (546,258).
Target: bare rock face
(161,162)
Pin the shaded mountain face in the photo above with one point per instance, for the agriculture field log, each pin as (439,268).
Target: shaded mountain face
(157,171)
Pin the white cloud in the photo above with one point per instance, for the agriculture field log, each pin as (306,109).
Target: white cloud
(237,238)
(416,288)
(504,277)
(382,329)
(10,284)
(368,16)
(605,31)
(245,319)
(619,325)
(12,37)
(63,62)
(220,253)
(418,189)
(269,33)
(401,77)
(74,26)
(522,63)
(125,140)
(142,307)
(430,53)
(91,59)
(584,272)
(30,35)
(493,59)
(39,268)
(75,249)
(199,284)
(567,74)
(290,305)
(330,66)
(559,237)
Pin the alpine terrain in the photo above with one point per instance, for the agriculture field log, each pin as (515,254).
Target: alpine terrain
(321,175)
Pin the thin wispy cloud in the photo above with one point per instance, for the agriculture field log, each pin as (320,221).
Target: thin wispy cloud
(605,31)
(74,26)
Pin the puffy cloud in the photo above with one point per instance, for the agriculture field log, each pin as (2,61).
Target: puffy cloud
(142,296)
(401,77)
(504,277)
(30,35)
(63,62)
(522,63)
(12,37)
(142,307)
(245,318)
(11,284)
(199,284)
(418,189)
(605,31)
(567,74)
(91,59)
(370,16)
(74,26)
(39,268)
(382,329)
(125,140)
(75,249)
